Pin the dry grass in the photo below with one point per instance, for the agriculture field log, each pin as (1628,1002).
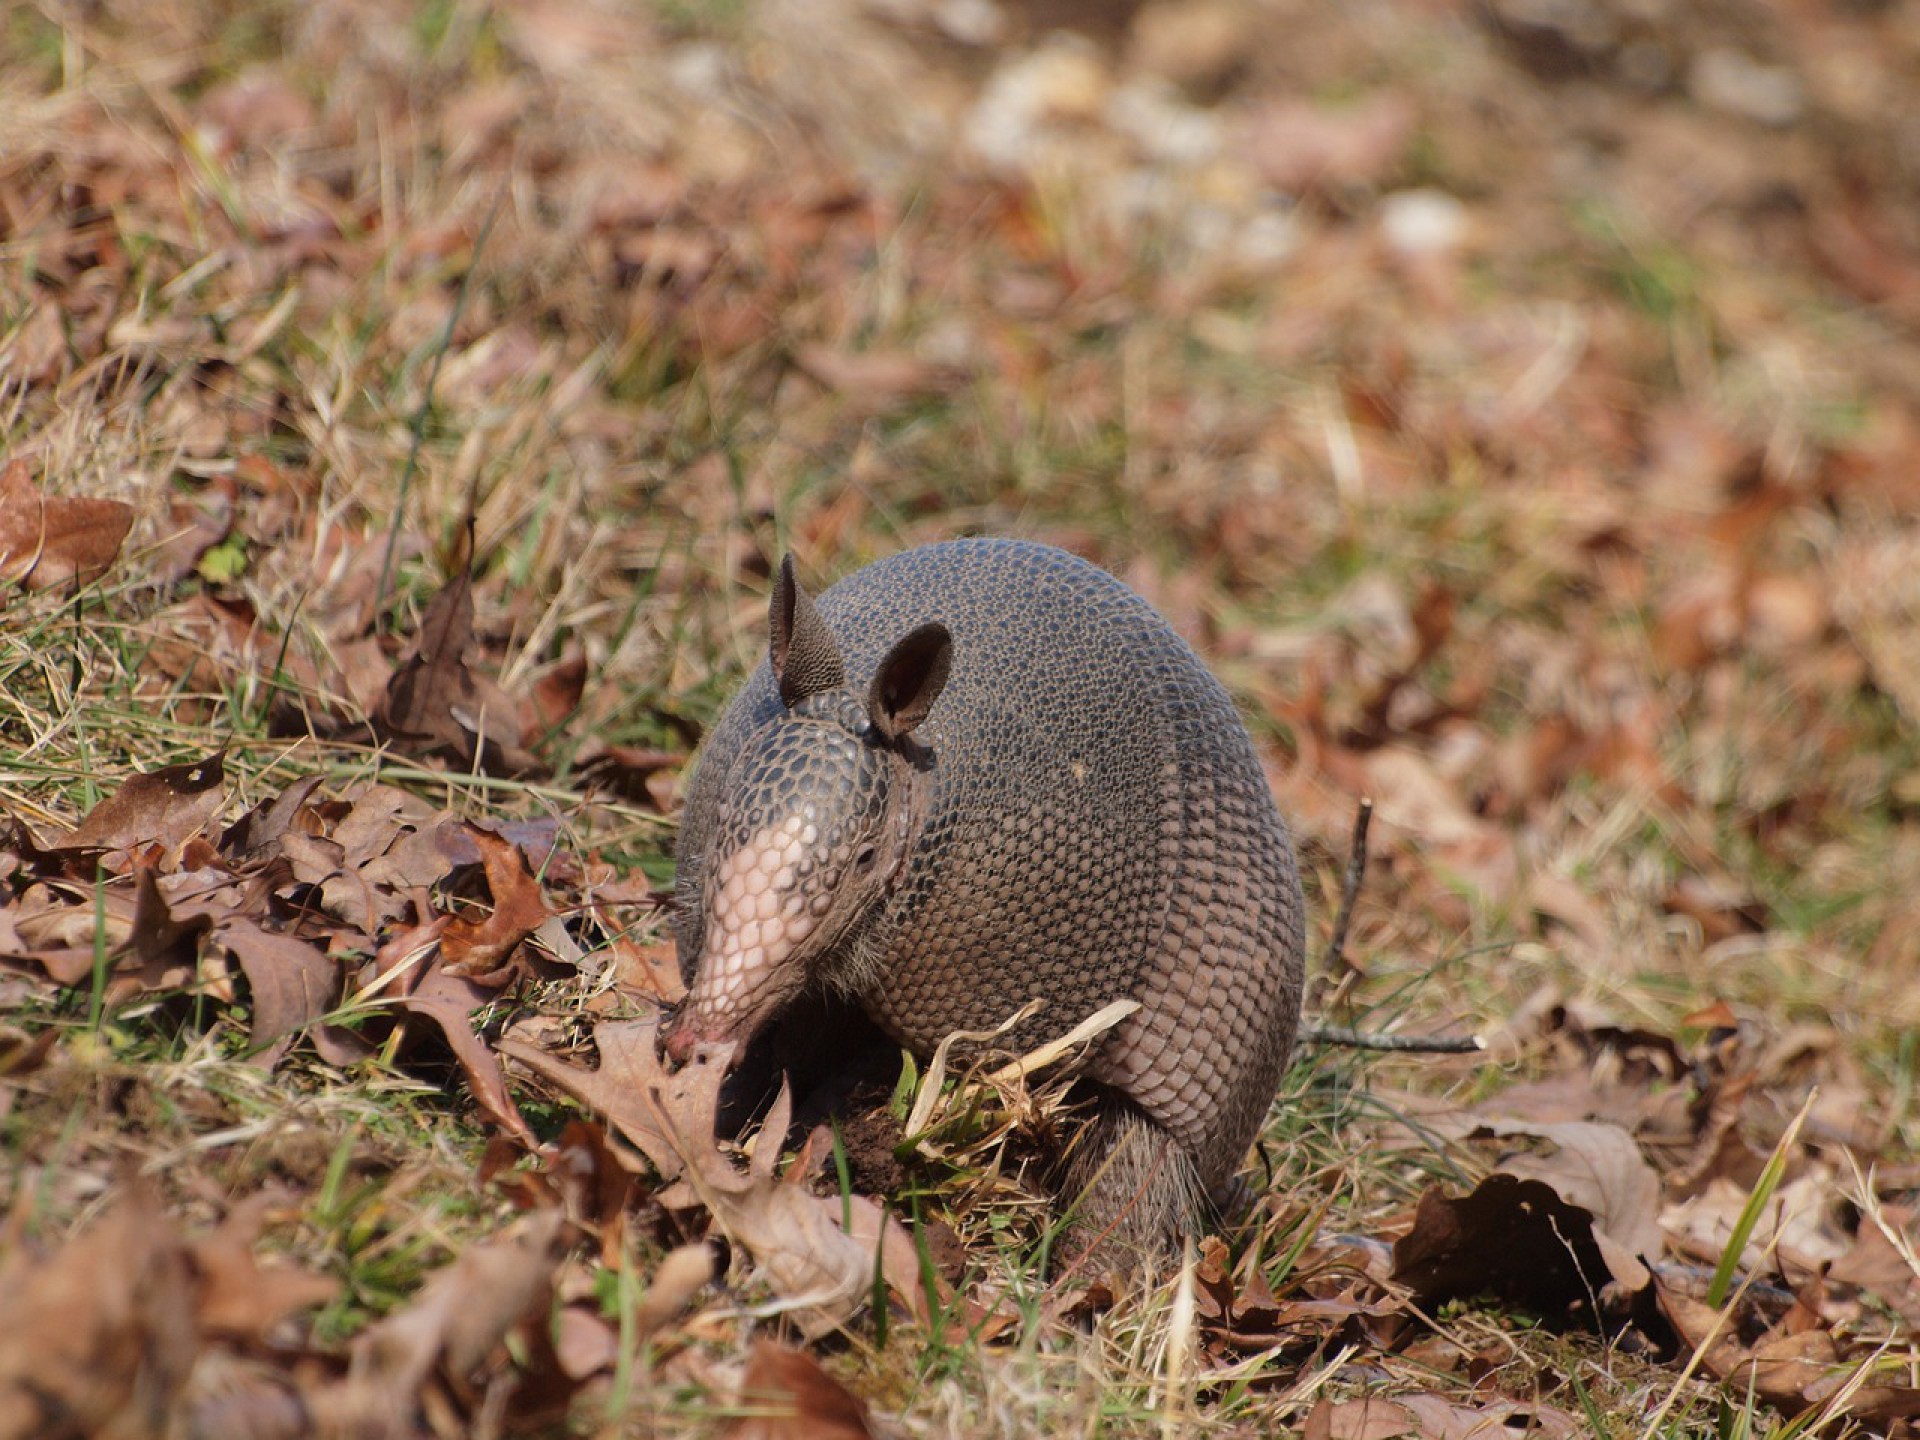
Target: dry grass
(1576,527)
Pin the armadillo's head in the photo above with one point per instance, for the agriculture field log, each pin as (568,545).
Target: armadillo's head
(814,830)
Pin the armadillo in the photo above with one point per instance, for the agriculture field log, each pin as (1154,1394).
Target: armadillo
(982,772)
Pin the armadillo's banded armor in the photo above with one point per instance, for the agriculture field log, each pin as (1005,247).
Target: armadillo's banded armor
(1098,828)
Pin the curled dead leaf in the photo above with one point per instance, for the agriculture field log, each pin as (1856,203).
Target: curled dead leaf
(1793,1370)
(682,1274)
(479,947)
(1599,1168)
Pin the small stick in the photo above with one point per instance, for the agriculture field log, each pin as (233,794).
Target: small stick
(1349,888)
(1341,1035)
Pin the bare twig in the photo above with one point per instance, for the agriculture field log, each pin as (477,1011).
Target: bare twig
(1349,888)
(1342,1035)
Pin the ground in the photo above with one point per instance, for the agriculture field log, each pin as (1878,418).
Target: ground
(404,409)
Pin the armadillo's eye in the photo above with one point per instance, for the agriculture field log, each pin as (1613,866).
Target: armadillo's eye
(864,859)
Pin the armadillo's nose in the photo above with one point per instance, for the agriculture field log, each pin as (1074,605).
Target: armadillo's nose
(677,1039)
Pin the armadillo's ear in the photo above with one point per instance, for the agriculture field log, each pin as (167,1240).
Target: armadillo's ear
(909,680)
(805,659)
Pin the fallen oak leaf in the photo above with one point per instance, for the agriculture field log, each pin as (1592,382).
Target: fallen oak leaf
(433,681)
(625,1089)
(436,703)
(651,971)
(256,834)
(21,851)
(822,1269)
(293,983)
(556,695)
(165,807)
(537,839)
(635,773)
(818,1253)
(165,946)
(239,1297)
(450,1329)
(448,1002)
(1598,1167)
(64,938)
(47,541)
(1433,1417)
(681,1274)
(194,529)
(790,1397)
(478,948)
(584,1344)
(1793,1372)
(1511,1237)
(101,1335)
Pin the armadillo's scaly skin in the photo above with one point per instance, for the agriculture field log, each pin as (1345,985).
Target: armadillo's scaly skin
(1098,828)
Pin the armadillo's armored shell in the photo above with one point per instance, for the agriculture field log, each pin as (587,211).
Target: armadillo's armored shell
(1098,828)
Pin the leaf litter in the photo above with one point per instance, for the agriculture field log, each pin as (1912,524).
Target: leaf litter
(1518,408)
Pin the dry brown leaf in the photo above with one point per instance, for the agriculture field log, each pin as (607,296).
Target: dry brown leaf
(683,1272)
(652,970)
(1245,1311)
(448,1001)
(47,541)
(240,1298)
(584,1343)
(1599,1168)
(818,1253)
(637,774)
(195,527)
(164,946)
(1791,1371)
(477,948)
(1877,1264)
(101,1335)
(22,1054)
(627,1088)
(162,807)
(790,1397)
(293,983)
(1512,1238)
(433,681)
(256,834)
(1799,1226)
(556,695)
(1434,1417)
(819,1267)
(450,1330)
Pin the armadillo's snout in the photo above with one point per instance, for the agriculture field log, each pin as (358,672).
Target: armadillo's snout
(676,1040)
(758,921)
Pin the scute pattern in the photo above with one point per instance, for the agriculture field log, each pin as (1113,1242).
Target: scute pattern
(1098,827)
